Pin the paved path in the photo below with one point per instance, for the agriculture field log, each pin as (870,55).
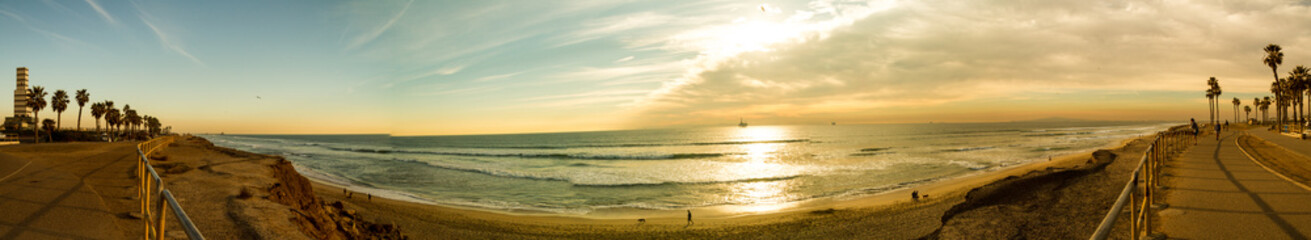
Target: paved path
(1293,144)
(1216,192)
(38,201)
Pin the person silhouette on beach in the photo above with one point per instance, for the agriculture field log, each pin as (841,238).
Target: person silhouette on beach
(915,195)
(689,217)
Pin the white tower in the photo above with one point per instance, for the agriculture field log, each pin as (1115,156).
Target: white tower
(20,95)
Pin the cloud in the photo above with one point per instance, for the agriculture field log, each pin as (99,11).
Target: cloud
(60,37)
(625,59)
(12,15)
(497,77)
(372,34)
(443,71)
(449,70)
(880,56)
(169,42)
(103,13)
(462,91)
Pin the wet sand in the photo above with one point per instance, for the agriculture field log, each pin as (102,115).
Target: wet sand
(239,195)
(891,215)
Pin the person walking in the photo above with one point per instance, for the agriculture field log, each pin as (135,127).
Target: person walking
(1217,132)
(689,217)
(1196,130)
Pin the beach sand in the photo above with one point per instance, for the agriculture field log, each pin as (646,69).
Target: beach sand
(891,215)
(239,195)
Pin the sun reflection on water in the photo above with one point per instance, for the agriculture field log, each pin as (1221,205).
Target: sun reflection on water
(760,163)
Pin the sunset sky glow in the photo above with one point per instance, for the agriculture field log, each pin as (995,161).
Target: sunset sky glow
(479,67)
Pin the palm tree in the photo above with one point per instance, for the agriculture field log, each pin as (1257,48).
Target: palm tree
(108,105)
(126,118)
(49,126)
(1256,102)
(131,118)
(37,98)
(1213,97)
(1265,108)
(152,125)
(82,98)
(97,110)
(1298,78)
(1236,103)
(111,118)
(1277,89)
(1210,108)
(1217,99)
(1248,110)
(59,104)
(1273,58)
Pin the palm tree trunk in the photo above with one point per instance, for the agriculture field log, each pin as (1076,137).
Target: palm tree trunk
(36,125)
(79,117)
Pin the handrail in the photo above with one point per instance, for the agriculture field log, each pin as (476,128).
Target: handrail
(1165,144)
(155,218)
(1105,227)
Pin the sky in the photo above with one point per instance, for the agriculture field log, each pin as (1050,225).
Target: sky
(489,67)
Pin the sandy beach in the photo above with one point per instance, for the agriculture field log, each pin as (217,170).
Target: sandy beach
(890,215)
(232,194)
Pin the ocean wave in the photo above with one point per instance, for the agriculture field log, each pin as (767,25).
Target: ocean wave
(1044,149)
(744,180)
(970,165)
(675,156)
(635,145)
(874,149)
(966,149)
(1060,134)
(866,154)
(631,182)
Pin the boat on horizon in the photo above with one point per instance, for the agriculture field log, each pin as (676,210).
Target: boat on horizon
(741,123)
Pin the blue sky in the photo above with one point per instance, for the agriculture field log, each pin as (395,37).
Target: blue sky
(471,67)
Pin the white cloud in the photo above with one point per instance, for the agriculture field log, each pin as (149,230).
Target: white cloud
(625,59)
(373,33)
(497,77)
(463,91)
(12,15)
(449,70)
(103,13)
(849,58)
(169,42)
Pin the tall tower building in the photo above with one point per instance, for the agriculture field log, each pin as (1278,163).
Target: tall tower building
(20,95)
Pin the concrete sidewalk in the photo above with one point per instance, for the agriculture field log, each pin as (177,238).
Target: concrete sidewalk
(1216,192)
(38,201)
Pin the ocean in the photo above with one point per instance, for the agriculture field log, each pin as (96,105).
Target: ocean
(667,169)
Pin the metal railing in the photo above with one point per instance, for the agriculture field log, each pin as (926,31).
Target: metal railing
(153,211)
(1140,198)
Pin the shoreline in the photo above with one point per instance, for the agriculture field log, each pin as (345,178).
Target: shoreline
(934,190)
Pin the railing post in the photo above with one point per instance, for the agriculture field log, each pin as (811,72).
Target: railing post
(159,228)
(1133,207)
(1148,199)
